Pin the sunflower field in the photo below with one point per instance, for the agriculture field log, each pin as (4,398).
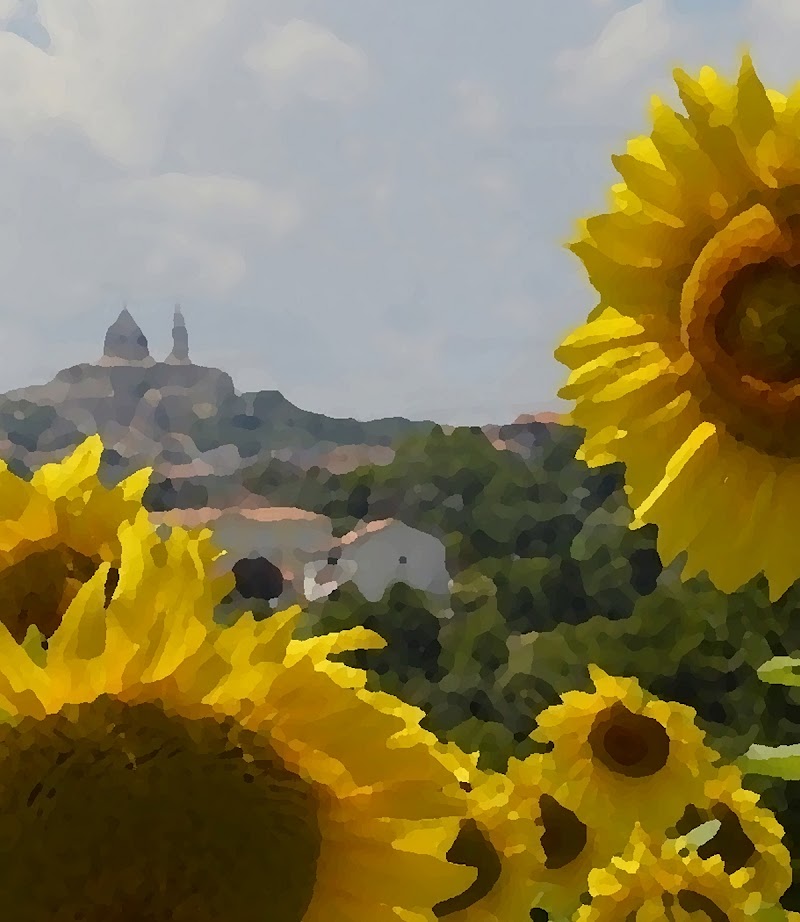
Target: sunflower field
(158,765)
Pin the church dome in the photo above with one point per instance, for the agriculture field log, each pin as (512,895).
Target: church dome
(125,342)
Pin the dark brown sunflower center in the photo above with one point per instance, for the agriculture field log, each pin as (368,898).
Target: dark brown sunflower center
(687,906)
(473,849)
(39,589)
(115,812)
(759,325)
(564,836)
(698,908)
(730,841)
(629,744)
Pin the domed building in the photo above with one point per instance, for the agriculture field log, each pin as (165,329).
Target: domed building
(144,409)
(125,343)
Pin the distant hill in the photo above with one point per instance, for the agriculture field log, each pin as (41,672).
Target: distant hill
(186,419)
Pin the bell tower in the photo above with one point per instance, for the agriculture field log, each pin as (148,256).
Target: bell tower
(180,340)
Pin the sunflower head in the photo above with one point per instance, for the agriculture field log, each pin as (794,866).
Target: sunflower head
(748,838)
(624,754)
(688,370)
(528,848)
(651,882)
(157,766)
(56,531)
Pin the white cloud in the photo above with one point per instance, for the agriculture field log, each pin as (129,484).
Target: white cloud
(152,151)
(210,199)
(125,87)
(629,42)
(479,111)
(113,70)
(380,193)
(773,30)
(9,9)
(497,184)
(303,59)
(198,267)
(785,11)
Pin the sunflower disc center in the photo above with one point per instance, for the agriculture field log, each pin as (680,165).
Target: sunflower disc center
(629,744)
(759,325)
(473,849)
(114,812)
(39,589)
(564,836)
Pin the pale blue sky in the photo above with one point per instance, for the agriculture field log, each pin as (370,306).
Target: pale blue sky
(360,203)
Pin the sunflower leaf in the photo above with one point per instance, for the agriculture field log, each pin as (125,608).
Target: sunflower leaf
(774,761)
(33,645)
(702,834)
(781,670)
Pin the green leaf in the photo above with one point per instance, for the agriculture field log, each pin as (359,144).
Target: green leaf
(702,834)
(781,670)
(33,645)
(774,761)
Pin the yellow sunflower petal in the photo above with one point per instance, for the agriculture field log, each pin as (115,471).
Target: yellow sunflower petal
(755,115)
(68,477)
(26,517)
(782,559)
(688,371)
(332,803)
(686,462)
(748,838)
(651,881)
(619,751)
(60,527)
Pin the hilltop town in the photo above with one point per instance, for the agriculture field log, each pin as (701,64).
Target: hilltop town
(190,423)
(187,420)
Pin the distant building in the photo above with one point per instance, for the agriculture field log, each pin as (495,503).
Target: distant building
(125,343)
(180,341)
(374,556)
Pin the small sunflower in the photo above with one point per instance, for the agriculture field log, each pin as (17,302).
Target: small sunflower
(157,766)
(649,884)
(625,756)
(530,850)
(749,837)
(54,533)
(688,370)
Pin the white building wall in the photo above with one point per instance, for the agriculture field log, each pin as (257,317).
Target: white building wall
(375,561)
(284,542)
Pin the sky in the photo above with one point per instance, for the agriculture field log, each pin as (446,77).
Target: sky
(363,205)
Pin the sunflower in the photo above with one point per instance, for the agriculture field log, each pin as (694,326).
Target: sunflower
(649,884)
(748,837)
(688,370)
(54,533)
(157,766)
(625,756)
(529,849)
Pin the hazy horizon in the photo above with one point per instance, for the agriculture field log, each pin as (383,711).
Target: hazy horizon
(364,211)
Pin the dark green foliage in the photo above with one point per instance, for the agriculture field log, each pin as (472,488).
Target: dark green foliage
(410,663)
(548,578)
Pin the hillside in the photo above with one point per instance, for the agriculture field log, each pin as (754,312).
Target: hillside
(186,419)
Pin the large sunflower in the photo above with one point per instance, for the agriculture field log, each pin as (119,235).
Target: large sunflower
(625,756)
(54,533)
(748,837)
(689,368)
(650,884)
(529,849)
(156,766)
